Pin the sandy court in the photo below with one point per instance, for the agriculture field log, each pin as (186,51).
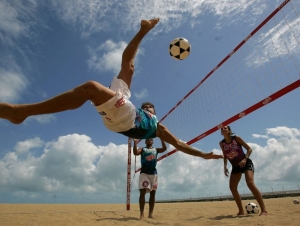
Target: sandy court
(282,212)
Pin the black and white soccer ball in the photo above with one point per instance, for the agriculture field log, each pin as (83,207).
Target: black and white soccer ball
(252,208)
(296,201)
(180,48)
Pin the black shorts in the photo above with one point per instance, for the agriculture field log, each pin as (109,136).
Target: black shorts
(249,166)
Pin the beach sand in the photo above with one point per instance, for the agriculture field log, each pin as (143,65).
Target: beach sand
(282,212)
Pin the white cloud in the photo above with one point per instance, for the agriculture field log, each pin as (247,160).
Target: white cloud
(90,14)
(107,57)
(260,136)
(16,19)
(283,131)
(178,173)
(12,84)
(73,165)
(276,164)
(142,94)
(24,146)
(280,156)
(280,41)
(42,119)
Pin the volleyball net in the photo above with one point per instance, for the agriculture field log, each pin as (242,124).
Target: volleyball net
(260,69)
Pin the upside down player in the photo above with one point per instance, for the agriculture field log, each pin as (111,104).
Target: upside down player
(112,103)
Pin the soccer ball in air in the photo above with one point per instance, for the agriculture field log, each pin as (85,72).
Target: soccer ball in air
(252,208)
(180,48)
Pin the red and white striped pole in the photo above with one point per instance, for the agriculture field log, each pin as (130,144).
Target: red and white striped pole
(128,175)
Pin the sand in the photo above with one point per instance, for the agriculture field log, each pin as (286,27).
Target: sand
(282,212)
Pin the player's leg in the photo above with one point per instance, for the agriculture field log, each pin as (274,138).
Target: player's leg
(142,202)
(72,99)
(233,185)
(249,176)
(163,133)
(151,203)
(76,97)
(127,66)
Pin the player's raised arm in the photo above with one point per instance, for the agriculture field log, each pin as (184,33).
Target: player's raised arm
(136,151)
(163,148)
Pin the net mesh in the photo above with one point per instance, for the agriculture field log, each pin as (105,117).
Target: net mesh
(263,67)
(264,64)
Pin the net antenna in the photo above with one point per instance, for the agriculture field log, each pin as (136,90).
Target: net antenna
(129,184)
(260,69)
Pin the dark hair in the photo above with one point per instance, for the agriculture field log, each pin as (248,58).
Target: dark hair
(231,133)
(148,103)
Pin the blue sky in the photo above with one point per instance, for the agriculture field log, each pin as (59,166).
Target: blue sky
(70,157)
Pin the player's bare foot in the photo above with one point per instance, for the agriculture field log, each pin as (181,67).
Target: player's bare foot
(9,112)
(264,213)
(239,214)
(151,216)
(141,216)
(147,25)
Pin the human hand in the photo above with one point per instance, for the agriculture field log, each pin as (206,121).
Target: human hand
(211,155)
(242,163)
(226,172)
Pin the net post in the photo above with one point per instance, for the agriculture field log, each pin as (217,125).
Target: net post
(128,174)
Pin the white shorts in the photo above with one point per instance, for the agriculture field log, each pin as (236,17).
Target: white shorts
(118,113)
(149,182)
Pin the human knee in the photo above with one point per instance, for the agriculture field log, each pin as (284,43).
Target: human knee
(90,87)
(90,84)
(233,188)
(250,184)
